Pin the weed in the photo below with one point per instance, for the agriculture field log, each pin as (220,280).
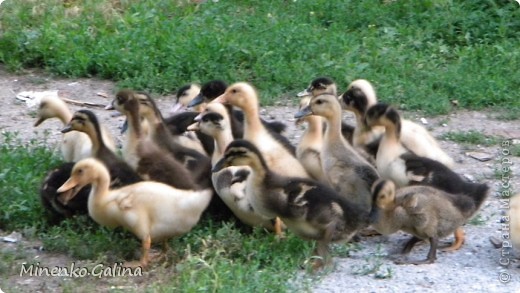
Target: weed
(374,265)
(471,137)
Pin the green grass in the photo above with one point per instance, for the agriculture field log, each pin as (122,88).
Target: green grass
(471,137)
(419,54)
(212,257)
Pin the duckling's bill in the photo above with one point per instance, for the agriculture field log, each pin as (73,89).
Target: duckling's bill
(68,190)
(303,112)
(199,99)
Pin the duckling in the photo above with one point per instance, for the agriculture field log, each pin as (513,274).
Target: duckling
(120,172)
(360,96)
(230,183)
(152,211)
(51,199)
(309,149)
(279,154)
(325,85)
(195,161)
(143,154)
(74,145)
(423,211)
(389,162)
(514,220)
(185,94)
(308,208)
(347,172)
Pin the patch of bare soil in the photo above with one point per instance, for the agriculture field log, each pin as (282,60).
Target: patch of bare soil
(477,267)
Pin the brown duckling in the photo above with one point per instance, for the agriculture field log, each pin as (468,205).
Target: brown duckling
(308,208)
(347,171)
(143,154)
(152,211)
(423,211)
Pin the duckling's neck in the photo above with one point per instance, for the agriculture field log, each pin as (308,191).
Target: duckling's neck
(96,138)
(253,125)
(134,125)
(64,115)
(393,132)
(314,132)
(100,188)
(333,131)
(222,139)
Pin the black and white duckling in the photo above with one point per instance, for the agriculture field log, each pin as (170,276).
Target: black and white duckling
(51,198)
(411,136)
(278,152)
(230,183)
(74,145)
(359,96)
(184,95)
(309,148)
(120,172)
(423,211)
(150,162)
(152,211)
(308,208)
(389,162)
(347,171)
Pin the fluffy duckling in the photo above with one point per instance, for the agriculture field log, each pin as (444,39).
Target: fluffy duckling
(389,162)
(514,220)
(277,150)
(360,96)
(425,212)
(74,145)
(185,94)
(230,183)
(120,172)
(308,208)
(347,171)
(152,211)
(309,149)
(143,154)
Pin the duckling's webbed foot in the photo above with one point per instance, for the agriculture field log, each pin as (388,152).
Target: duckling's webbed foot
(432,254)
(459,240)
(409,245)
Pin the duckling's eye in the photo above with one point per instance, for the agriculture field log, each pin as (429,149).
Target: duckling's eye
(234,91)
(319,102)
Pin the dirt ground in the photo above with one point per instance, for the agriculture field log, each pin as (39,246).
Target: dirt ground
(476,267)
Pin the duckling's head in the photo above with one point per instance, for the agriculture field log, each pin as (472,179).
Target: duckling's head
(240,94)
(84,172)
(147,106)
(84,121)
(212,120)
(325,105)
(320,85)
(384,115)
(50,107)
(241,152)
(383,194)
(360,96)
(125,101)
(209,91)
(184,96)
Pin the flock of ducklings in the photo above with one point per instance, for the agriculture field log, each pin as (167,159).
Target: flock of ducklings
(216,155)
